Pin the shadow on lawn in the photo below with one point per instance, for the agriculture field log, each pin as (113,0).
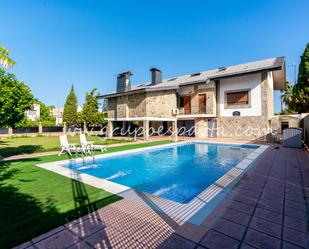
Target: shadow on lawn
(3,142)
(23,217)
(23,149)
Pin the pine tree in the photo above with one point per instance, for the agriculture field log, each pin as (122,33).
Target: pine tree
(70,109)
(90,108)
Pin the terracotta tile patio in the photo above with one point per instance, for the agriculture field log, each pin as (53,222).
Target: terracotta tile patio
(268,208)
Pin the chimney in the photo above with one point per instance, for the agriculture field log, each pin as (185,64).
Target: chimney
(156,76)
(124,82)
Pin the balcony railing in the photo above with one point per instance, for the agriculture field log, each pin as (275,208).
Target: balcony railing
(198,110)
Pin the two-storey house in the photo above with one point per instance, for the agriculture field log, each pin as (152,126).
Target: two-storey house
(224,102)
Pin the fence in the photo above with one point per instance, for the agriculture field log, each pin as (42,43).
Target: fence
(49,130)
(4,131)
(26,130)
(52,129)
(94,130)
(31,131)
(292,137)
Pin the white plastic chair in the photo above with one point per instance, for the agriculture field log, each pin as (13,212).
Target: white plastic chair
(90,144)
(67,147)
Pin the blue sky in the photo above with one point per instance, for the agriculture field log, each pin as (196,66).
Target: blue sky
(86,43)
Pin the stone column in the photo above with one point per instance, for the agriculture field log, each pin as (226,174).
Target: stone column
(123,129)
(267,96)
(40,128)
(146,129)
(174,130)
(201,128)
(109,129)
(10,131)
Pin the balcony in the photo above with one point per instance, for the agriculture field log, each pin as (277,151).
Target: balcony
(196,106)
(188,107)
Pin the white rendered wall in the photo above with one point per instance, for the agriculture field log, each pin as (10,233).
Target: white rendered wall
(251,82)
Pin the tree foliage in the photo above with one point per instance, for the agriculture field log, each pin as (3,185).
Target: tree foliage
(5,60)
(80,121)
(15,99)
(90,113)
(90,108)
(70,109)
(101,118)
(297,96)
(46,119)
(303,71)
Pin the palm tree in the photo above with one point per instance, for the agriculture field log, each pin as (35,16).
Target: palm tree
(302,99)
(5,60)
(288,93)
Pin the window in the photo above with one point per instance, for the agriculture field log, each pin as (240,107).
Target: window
(181,102)
(185,103)
(237,98)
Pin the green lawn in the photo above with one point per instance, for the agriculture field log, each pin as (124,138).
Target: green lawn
(34,200)
(26,145)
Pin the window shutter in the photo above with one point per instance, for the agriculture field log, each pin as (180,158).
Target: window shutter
(238,98)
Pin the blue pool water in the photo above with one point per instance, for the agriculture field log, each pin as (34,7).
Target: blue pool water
(178,173)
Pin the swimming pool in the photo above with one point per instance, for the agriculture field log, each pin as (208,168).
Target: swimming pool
(178,172)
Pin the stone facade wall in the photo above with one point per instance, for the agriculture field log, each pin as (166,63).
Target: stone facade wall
(111,108)
(294,122)
(137,105)
(117,107)
(161,103)
(133,105)
(122,107)
(211,104)
(151,104)
(254,127)
(248,128)
(275,124)
(194,92)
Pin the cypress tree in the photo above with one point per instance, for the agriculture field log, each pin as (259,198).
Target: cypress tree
(90,108)
(303,71)
(70,109)
(301,89)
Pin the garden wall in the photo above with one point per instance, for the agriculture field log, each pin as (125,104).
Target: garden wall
(47,131)
(306,130)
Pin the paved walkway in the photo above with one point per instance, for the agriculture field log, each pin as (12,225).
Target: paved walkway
(267,209)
